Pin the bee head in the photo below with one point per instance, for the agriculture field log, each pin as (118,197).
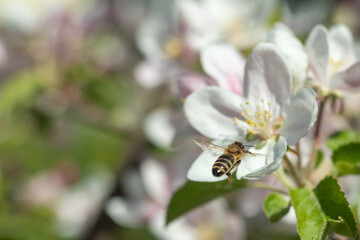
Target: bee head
(240,145)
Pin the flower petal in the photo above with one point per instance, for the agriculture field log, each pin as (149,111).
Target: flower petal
(211,110)
(300,114)
(293,51)
(158,128)
(225,65)
(152,73)
(255,167)
(341,44)
(318,52)
(155,180)
(200,170)
(149,37)
(348,79)
(187,83)
(266,75)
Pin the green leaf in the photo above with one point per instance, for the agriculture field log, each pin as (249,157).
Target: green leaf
(193,194)
(311,221)
(322,210)
(342,138)
(347,159)
(335,206)
(276,207)
(21,90)
(344,168)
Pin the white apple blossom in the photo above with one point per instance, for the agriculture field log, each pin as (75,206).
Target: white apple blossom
(268,111)
(332,62)
(328,57)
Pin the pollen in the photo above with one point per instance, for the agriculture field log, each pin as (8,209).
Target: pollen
(257,117)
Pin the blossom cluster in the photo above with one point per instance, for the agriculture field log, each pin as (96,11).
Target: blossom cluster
(268,100)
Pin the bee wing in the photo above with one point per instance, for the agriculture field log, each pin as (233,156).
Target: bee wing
(206,145)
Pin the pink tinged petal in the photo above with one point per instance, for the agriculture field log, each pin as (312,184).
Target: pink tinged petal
(318,52)
(267,76)
(347,80)
(292,50)
(256,167)
(225,65)
(341,44)
(189,82)
(211,110)
(300,114)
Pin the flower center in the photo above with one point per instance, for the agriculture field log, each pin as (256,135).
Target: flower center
(334,66)
(259,119)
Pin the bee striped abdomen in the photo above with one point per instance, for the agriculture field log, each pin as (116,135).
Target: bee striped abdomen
(223,165)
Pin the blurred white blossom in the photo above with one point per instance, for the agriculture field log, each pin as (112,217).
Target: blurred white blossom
(241,23)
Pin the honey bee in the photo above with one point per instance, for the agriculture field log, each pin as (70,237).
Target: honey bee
(229,159)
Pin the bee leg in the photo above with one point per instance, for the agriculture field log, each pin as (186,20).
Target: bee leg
(229,177)
(246,151)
